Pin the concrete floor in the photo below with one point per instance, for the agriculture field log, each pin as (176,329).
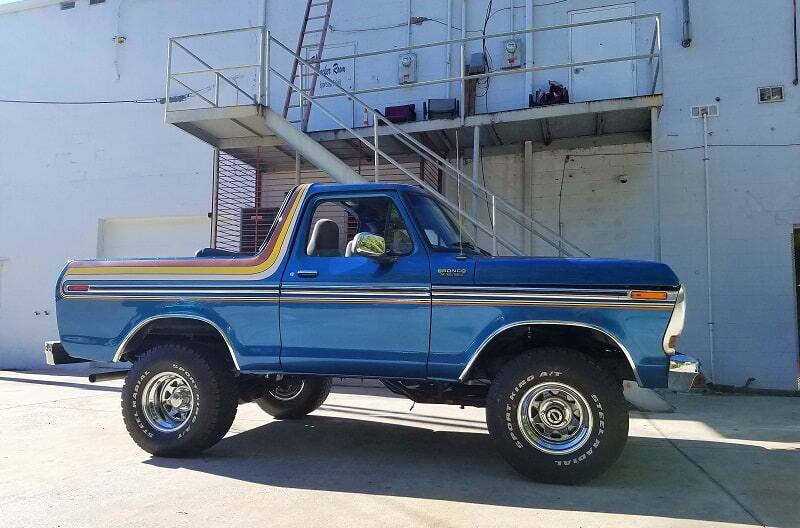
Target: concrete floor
(365,459)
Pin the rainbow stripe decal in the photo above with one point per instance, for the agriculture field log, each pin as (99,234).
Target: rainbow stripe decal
(258,266)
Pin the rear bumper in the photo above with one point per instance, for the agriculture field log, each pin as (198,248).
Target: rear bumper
(55,354)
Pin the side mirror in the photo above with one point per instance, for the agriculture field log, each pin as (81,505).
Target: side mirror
(369,245)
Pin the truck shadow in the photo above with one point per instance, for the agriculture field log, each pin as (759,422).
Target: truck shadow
(377,458)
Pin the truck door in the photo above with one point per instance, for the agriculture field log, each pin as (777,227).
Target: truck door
(342,313)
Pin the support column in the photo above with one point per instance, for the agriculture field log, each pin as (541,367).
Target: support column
(656,183)
(214,199)
(476,167)
(527,194)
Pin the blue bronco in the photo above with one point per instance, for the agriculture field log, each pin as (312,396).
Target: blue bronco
(378,281)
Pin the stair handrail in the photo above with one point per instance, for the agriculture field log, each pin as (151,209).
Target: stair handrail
(442,199)
(432,156)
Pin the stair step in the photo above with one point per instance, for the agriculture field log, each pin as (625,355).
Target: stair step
(309,31)
(314,45)
(319,4)
(316,17)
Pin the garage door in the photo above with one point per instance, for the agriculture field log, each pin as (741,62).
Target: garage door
(165,236)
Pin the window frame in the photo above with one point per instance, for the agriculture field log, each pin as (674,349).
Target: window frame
(316,201)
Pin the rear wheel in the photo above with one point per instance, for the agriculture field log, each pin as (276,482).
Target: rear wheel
(295,396)
(178,401)
(556,416)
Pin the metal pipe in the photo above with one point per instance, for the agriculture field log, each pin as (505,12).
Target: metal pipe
(476,165)
(709,284)
(529,48)
(107,376)
(494,226)
(214,198)
(375,142)
(449,48)
(463,96)
(496,73)
(687,25)
(408,37)
(656,182)
(169,76)
(796,79)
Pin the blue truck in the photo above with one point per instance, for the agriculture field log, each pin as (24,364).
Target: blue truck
(378,281)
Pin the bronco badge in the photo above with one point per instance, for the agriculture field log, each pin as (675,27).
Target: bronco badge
(452,272)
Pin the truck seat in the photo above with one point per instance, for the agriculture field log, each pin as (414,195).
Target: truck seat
(324,240)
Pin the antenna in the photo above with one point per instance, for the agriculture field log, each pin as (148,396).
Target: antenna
(458,195)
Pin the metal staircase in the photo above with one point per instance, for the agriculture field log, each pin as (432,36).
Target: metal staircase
(498,208)
(255,123)
(308,76)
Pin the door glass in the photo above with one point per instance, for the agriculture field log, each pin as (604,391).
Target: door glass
(336,222)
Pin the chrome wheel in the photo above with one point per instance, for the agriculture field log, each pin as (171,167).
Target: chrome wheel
(168,401)
(554,418)
(288,389)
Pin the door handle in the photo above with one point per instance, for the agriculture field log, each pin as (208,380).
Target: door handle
(307,273)
(578,70)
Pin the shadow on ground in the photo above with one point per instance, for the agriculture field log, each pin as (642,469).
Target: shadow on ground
(356,456)
(51,383)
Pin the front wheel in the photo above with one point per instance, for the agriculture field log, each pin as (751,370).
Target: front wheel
(556,416)
(295,396)
(178,400)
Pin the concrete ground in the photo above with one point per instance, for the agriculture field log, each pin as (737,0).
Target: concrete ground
(367,459)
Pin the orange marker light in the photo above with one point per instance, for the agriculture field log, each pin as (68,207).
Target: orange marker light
(649,295)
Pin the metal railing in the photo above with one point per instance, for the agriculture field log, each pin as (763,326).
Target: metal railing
(220,75)
(497,208)
(496,205)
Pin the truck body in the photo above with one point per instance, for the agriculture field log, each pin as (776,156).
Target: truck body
(428,312)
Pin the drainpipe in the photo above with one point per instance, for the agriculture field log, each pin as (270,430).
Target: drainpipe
(687,25)
(463,96)
(449,51)
(529,89)
(706,160)
(794,20)
(409,24)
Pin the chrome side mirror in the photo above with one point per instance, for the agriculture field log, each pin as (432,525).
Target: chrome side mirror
(369,245)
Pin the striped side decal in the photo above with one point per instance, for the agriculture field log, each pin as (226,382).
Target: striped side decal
(259,266)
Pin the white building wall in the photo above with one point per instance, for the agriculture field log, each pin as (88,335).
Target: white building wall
(64,168)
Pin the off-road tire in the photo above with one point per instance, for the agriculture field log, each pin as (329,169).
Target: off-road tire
(313,394)
(214,391)
(523,377)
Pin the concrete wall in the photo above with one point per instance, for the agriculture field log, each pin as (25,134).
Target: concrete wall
(64,167)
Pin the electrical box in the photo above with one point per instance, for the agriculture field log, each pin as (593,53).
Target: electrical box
(512,54)
(408,68)
(476,64)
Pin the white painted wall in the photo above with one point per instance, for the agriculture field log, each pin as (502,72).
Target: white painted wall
(63,168)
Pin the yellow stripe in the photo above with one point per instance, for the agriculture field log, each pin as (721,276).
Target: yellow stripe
(205,270)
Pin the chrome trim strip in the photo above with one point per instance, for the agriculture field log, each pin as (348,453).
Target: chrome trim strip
(173,292)
(305,287)
(531,289)
(500,330)
(357,292)
(121,349)
(167,298)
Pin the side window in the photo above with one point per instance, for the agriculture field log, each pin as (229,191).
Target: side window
(335,223)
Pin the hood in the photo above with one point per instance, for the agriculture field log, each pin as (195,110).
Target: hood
(574,272)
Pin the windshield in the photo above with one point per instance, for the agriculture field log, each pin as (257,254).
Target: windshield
(440,226)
